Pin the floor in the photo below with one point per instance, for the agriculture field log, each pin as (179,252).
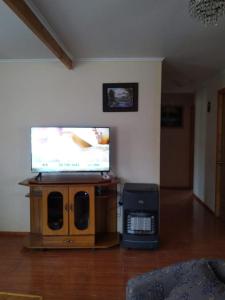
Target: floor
(188,231)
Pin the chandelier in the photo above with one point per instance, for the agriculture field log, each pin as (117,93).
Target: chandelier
(207,11)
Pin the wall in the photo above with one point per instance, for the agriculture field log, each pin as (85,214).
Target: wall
(46,93)
(176,145)
(205,140)
(200,145)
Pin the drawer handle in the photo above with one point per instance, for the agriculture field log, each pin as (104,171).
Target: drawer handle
(68,241)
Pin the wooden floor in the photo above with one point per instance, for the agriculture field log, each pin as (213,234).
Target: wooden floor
(188,231)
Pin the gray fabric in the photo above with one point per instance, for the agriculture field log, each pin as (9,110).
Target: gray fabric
(218,266)
(202,285)
(186,280)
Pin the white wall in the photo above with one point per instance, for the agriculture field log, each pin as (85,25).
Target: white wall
(205,140)
(48,94)
(200,145)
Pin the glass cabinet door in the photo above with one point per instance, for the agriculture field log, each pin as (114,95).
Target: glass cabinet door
(81,203)
(55,211)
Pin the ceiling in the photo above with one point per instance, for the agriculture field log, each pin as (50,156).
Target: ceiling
(123,29)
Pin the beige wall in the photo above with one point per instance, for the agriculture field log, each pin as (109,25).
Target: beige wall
(176,167)
(46,93)
(205,140)
(200,144)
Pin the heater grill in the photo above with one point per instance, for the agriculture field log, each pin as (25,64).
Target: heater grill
(141,223)
(140,216)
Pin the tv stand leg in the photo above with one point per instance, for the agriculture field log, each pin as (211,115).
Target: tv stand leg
(39,176)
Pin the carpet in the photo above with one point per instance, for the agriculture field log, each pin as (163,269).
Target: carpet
(13,296)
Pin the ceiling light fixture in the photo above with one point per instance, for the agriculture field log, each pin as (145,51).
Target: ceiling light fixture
(207,11)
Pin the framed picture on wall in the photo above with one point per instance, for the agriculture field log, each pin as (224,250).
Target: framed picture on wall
(171,116)
(120,97)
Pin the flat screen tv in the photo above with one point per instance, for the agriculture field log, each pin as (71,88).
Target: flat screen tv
(70,149)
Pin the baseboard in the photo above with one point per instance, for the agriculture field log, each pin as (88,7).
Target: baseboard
(203,204)
(175,187)
(13,233)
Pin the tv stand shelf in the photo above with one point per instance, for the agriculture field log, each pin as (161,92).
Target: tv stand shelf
(72,212)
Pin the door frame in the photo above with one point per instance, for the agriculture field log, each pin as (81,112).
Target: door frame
(192,142)
(219,146)
(190,174)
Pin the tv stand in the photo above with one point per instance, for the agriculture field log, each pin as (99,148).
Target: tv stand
(72,212)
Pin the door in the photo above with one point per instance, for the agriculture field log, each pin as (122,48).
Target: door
(55,210)
(220,156)
(82,210)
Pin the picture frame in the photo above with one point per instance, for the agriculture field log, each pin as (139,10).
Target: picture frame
(171,116)
(120,97)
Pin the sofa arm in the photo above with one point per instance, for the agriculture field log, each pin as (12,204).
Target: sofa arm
(157,284)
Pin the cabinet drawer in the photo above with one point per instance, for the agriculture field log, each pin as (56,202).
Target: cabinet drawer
(67,241)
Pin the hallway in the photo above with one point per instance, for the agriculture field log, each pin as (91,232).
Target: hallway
(189,228)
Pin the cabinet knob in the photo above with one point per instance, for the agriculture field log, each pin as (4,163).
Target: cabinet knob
(66,207)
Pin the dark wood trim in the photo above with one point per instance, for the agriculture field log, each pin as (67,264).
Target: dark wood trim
(174,187)
(221,91)
(14,233)
(24,12)
(219,149)
(203,204)
(192,139)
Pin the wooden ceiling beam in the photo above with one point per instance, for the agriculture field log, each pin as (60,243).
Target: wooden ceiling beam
(24,12)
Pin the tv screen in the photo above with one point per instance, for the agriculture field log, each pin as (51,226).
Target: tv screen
(59,149)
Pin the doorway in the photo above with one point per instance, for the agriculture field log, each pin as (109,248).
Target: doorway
(177,141)
(220,156)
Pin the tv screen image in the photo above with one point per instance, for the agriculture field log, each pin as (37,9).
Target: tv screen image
(58,149)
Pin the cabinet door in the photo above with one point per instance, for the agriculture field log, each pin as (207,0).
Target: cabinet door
(55,210)
(82,210)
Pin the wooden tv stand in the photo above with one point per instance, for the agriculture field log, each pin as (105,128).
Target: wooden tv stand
(72,212)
